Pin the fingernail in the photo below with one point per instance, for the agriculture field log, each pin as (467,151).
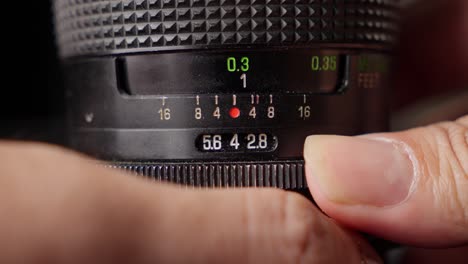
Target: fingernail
(359,170)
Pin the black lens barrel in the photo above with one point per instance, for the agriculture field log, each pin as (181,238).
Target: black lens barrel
(222,93)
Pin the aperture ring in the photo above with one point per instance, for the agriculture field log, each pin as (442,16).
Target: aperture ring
(287,175)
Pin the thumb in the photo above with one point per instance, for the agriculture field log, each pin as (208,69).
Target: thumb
(410,186)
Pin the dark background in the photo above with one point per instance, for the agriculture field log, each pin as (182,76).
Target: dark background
(31,104)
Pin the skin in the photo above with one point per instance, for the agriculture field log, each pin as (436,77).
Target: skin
(62,208)
(432,57)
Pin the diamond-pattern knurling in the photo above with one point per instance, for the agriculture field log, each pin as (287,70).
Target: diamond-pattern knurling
(86,27)
(276,174)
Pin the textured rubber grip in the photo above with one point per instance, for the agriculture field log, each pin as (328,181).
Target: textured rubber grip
(100,27)
(279,174)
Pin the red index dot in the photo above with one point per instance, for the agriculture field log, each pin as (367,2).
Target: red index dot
(234,112)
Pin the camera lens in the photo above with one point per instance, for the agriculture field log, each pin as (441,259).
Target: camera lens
(222,93)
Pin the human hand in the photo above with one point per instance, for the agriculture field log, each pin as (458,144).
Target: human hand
(59,207)
(411,186)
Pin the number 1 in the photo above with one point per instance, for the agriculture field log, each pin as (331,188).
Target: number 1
(244,80)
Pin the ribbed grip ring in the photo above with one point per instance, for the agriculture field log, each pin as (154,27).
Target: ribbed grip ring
(100,27)
(279,174)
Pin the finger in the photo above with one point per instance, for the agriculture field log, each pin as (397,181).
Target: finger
(410,186)
(59,208)
(433,51)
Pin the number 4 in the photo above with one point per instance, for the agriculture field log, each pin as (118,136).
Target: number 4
(217,113)
(253,112)
(235,142)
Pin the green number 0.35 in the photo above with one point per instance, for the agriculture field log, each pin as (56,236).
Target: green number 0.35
(323,63)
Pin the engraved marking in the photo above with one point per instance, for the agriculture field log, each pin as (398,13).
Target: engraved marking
(89,117)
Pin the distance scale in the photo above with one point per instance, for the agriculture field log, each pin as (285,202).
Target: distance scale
(258,91)
(262,72)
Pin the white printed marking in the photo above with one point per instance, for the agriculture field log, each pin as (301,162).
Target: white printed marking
(234,99)
(89,117)
(216,100)
(305,99)
(271,99)
(198,100)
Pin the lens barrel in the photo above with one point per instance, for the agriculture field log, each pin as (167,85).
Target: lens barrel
(222,93)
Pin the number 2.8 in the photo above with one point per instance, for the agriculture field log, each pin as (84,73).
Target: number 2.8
(262,141)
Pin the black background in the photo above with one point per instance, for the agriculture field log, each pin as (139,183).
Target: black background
(31,104)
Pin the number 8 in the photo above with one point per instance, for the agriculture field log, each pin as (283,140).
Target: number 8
(198,113)
(271,112)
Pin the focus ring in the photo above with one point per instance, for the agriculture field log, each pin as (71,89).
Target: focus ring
(280,174)
(100,27)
